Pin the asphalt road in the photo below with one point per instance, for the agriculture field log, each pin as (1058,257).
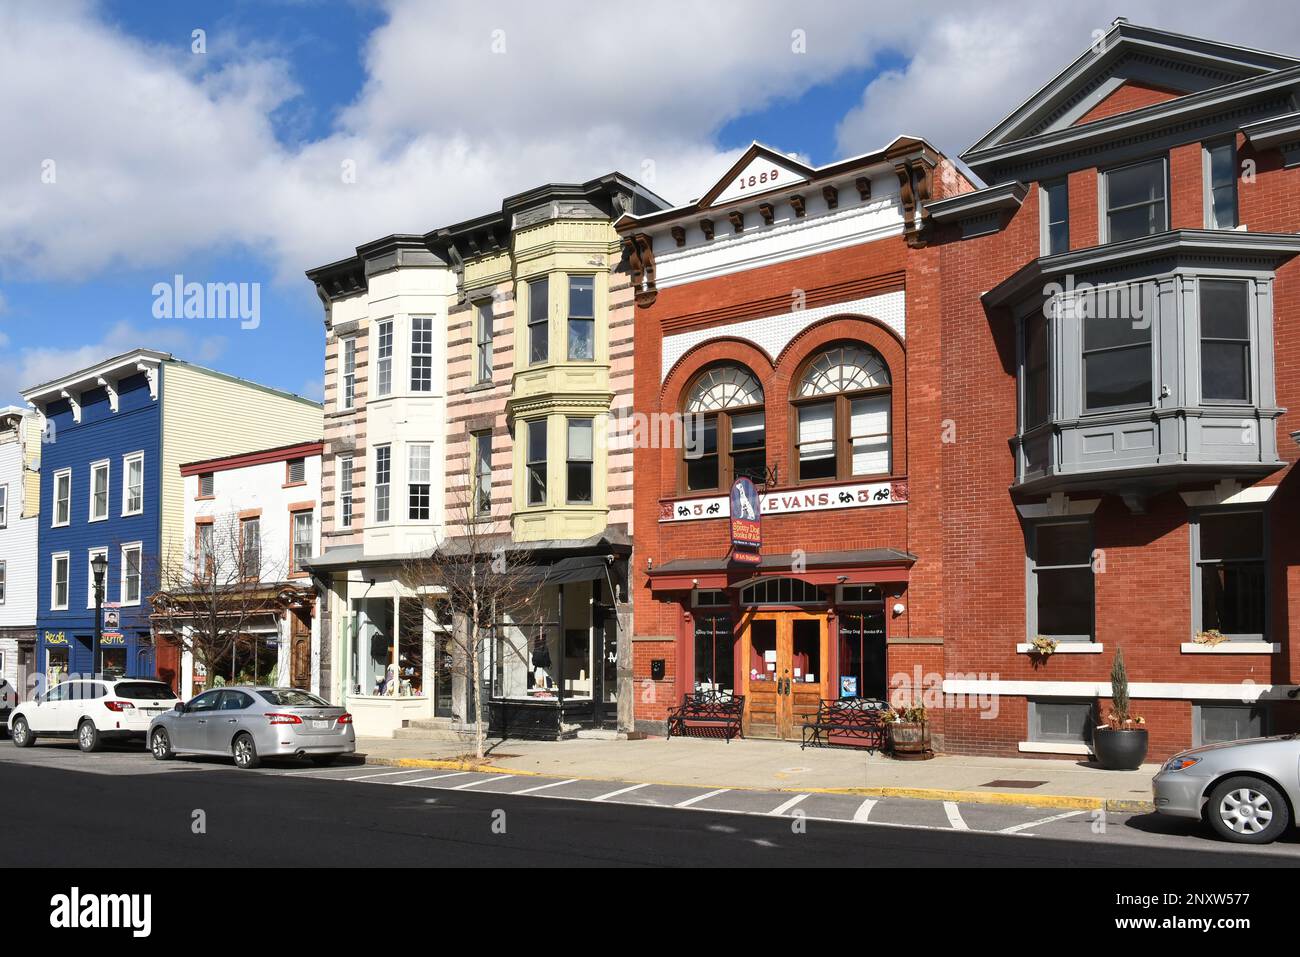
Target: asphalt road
(120,808)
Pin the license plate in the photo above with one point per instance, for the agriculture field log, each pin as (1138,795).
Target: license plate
(321,725)
(153,710)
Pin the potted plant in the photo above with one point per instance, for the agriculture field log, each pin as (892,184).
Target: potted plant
(1211,637)
(1042,646)
(1120,743)
(909,734)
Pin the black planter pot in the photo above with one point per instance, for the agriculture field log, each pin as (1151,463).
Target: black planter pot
(1118,750)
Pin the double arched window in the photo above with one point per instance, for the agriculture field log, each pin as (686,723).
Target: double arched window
(724,432)
(842,414)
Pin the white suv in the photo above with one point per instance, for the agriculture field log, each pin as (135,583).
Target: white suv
(92,710)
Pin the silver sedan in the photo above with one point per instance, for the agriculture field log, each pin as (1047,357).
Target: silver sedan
(1246,790)
(251,723)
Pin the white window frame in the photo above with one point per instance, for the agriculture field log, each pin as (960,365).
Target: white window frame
(296,567)
(426,483)
(55,558)
(67,499)
(346,465)
(348,373)
(385,486)
(4,506)
(90,574)
(126,486)
(1103,194)
(483,322)
(4,581)
(383,358)
(1045,214)
(1207,182)
(138,548)
(425,352)
(108,490)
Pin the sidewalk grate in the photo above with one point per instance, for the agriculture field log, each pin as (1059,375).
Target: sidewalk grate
(1013,784)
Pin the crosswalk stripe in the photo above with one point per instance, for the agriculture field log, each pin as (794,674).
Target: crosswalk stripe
(1017,828)
(490,777)
(385,774)
(436,777)
(863,813)
(613,794)
(954,816)
(776,812)
(543,787)
(701,797)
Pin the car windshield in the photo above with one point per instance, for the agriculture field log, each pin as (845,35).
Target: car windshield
(289,698)
(153,690)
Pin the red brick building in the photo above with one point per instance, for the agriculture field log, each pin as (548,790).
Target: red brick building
(1054,406)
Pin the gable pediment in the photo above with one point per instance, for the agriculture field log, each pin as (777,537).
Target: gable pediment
(760,170)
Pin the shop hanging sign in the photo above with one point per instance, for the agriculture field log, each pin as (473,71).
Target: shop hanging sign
(789,501)
(746,517)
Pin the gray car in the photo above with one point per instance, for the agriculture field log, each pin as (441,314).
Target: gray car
(1247,790)
(254,722)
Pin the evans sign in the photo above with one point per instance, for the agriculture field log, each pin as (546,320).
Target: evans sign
(789,501)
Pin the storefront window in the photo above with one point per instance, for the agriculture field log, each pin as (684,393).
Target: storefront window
(388,656)
(862,653)
(56,666)
(112,662)
(715,645)
(529,658)
(762,650)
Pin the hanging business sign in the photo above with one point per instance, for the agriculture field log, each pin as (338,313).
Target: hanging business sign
(789,501)
(746,516)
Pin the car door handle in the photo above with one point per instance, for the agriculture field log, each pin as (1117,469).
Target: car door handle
(231,720)
(203,720)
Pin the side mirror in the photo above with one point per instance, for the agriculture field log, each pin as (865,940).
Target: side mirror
(180,707)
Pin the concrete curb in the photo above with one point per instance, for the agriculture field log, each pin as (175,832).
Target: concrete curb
(1060,802)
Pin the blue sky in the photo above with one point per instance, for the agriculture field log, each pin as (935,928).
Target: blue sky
(225,166)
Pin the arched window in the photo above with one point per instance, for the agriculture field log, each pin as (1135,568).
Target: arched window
(724,432)
(842,414)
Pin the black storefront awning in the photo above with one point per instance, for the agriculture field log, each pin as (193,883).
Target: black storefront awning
(576,568)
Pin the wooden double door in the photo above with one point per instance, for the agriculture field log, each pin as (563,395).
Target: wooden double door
(785,655)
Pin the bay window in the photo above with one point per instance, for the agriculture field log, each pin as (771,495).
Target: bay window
(384,358)
(1061,585)
(539,327)
(1037,388)
(418,481)
(1117,360)
(582,317)
(1225,340)
(578,462)
(842,407)
(383,481)
(1230,578)
(1136,200)
(422,354)
(724,411)
(535,455)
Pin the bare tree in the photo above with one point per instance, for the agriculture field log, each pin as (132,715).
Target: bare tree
(211,596)
(477,580)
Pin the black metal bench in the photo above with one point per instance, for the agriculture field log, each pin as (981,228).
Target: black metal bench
(708,714)
(850,722)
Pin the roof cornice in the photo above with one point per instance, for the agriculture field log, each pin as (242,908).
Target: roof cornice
(83,380)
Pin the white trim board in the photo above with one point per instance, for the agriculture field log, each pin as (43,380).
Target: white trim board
(1066,648)
(1053,747)
(773,333)
(1231,648)
(1240,691)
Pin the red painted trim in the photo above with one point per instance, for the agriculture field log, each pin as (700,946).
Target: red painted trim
(262,457)
(829,575)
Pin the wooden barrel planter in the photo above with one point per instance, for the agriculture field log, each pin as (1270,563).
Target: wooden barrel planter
(910,740)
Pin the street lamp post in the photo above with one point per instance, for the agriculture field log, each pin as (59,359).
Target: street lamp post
(98,566)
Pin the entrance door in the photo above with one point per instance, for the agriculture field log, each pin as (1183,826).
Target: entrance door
(785,679)
(299,652)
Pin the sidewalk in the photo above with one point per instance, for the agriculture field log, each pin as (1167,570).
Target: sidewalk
(780,765)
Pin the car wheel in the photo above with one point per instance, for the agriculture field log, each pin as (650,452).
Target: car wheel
(246,752)
(161,745)
(21,733)
(88,736)
(1248,810)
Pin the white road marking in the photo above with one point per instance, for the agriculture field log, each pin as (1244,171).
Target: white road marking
(863,813)
(384,774)
(778,811)
(626,790)
(1017,828)
(954,816)
(543,787)
(490,777)
(436,777)
(701,797)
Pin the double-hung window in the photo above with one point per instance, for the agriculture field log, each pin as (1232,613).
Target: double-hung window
(1231,574)
(301,550)
(1037,389)
(348,396)
(383,481)
(418,468)
(133,484)
(539,326)
(99,491)
(1225,340)
(129,586)
(842,414)
(1061,585)
(422,354)
(205,565)
(1136,200)
(384,358)
(62,497)
(724,411)
(578,462)
(4,581)
(482,442)
(1220,172)
(90,575)
(250,546)
(1117,362)
(1055,200)
(4,506)
(59,582)
(345,491)
(582,317)
(483,341)
(536,462)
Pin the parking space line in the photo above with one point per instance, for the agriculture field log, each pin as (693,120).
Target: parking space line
(954,816)
(436,777)
(1017,828)
(490,777)
(612,794)
(543,787)
(383,774)
(777,812)
(863,813)
(701,797)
